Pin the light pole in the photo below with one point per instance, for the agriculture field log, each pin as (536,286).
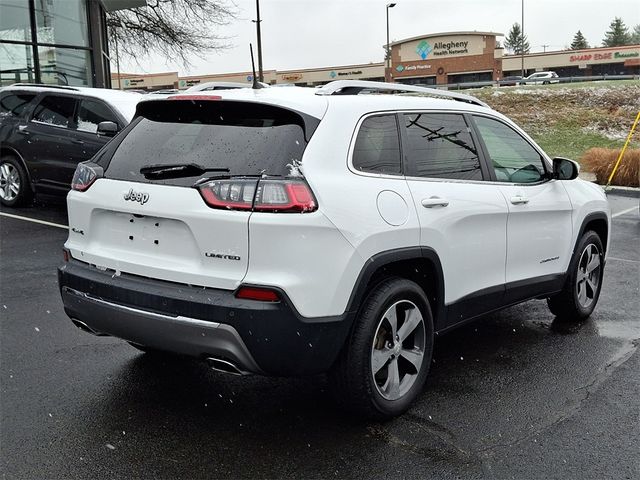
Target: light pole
(257,22)
(388,55)
(522,42)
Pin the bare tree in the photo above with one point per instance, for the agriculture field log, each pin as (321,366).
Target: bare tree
(175,29)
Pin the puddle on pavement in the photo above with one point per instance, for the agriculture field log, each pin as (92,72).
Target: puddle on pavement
(620,330)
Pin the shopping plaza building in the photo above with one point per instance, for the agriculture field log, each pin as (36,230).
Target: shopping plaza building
(435,59)
(65,43)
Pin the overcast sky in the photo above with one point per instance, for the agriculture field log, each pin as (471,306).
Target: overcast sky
(318,33)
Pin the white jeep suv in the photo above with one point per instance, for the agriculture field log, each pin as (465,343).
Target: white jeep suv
(298,231)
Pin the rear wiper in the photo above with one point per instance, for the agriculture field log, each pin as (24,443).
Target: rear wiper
(178,170)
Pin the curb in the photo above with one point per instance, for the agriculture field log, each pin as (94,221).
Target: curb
(632,192)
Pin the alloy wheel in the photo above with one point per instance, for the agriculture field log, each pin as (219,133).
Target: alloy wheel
(398,347)
(9,182)
(588,277)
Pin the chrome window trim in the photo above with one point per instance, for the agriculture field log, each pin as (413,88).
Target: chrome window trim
(40,122)
(352,146)
(511,125)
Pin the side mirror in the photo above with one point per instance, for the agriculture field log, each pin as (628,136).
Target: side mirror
(565,169)
(107,129)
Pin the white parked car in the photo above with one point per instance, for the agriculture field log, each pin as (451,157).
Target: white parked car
(540,78)
(300,230)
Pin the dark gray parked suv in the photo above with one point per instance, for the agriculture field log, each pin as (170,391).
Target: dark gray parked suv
(45,131)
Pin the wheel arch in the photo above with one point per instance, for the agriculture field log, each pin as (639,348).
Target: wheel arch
(599,223)
(419,264)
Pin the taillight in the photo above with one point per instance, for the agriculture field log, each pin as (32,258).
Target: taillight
(86,173)
(236,194)
(265,195)
(260,294)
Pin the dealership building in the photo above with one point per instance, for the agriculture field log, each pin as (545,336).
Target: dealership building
(58,42)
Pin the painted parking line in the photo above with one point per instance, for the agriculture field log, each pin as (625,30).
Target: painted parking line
(34,220)
(622,260)
(628,210)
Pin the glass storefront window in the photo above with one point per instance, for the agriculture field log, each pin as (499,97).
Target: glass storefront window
(16,63)
(65,66)
(14,20)
(62,22)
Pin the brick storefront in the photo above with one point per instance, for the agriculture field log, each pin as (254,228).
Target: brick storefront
(446,57)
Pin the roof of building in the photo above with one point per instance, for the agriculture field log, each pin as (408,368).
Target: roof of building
(446,34)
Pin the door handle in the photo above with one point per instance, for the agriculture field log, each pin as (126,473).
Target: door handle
(519,200)
(22,130)
(434,202)
(77,142)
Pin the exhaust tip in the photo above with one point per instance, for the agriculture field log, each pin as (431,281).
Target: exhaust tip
(86,328)
(225,366)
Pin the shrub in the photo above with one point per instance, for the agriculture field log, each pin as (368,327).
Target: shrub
(601,161)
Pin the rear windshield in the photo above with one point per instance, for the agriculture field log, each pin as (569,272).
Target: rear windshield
(245,138)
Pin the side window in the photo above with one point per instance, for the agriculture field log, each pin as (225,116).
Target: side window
(377,147)
(91,113)
(513,158)
(56,111)
(440,146)
(14,104)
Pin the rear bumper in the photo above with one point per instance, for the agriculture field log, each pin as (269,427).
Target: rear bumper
(258,337)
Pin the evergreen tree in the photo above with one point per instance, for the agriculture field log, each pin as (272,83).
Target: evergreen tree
(617,35)
(516,42)
(579,42)
(635,35)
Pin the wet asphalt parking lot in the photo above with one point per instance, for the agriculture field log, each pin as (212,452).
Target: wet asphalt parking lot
(514,395)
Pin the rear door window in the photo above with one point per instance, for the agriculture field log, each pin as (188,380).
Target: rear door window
(56,111)
(439,145)
(245,138)
(14,104)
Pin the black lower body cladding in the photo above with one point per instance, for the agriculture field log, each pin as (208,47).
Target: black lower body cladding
(260,337)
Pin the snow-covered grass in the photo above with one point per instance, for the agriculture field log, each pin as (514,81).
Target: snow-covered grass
(569,119)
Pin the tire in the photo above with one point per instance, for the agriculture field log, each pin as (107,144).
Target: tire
(15,189)
(545,83)
(584,281)
(375,394)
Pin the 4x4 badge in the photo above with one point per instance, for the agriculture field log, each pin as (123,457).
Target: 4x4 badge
(136,196)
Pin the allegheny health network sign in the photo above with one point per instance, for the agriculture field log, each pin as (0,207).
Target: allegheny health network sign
(431,48)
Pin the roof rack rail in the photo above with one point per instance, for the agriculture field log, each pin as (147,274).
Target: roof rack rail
(354,87)
(44,85)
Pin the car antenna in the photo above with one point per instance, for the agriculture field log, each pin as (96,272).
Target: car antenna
(256,85)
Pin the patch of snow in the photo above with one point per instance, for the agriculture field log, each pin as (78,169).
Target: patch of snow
(295,168)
